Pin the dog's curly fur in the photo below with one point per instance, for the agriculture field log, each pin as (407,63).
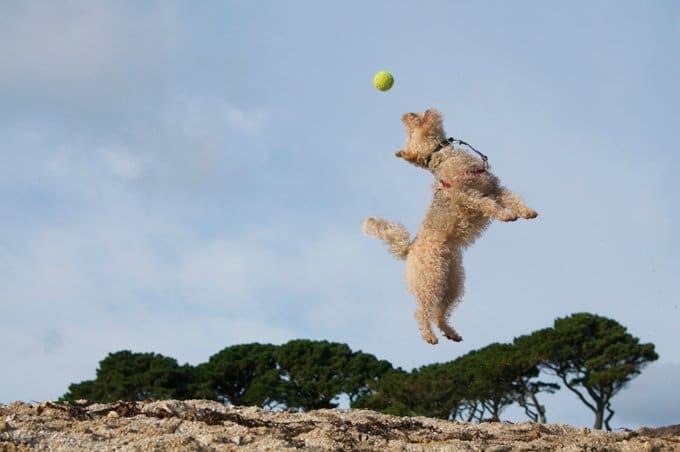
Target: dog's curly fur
(466,198)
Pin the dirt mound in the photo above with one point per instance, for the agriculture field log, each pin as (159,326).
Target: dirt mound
(205,425)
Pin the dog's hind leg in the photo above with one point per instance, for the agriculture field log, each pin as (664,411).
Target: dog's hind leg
(425,279)
(424,324)
(513,201)
(455,288)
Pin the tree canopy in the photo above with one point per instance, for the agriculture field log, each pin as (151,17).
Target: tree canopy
(474,387)
(595,357)
(316,373)
(313,373)
(246,374)
(496,376)
(125,375)
(422,392)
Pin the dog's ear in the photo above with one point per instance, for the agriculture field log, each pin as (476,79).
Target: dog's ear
(432,116)
(411,120)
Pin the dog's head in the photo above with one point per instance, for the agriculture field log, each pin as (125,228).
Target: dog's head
(423,133)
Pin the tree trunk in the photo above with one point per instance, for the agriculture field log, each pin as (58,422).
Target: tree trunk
(540,409)
(599,416)
(541,413)
(609,418)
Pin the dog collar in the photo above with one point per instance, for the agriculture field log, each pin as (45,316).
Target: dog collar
(441,145)
(450,141)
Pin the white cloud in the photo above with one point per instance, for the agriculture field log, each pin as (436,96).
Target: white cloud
(227,271)
(124,164)
(210,117)
(48,38)
(80,40)
(250,122)
(103,268)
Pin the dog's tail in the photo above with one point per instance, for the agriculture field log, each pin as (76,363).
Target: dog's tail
(395,234)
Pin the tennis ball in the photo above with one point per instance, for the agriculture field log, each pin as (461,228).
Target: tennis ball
(383,80)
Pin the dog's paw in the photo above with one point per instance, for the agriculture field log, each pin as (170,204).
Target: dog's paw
(368,226)
(454,337)
(508,216)
(430,338)
(528,214)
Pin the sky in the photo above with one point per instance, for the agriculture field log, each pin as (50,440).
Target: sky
(178,177)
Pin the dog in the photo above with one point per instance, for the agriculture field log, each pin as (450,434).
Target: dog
(466,198)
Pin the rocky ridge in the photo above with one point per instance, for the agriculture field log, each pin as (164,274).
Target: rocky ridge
(203,425)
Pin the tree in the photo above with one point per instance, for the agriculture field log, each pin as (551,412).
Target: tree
(495,377)
(528,399)
(595,357)
(313,373)
(362,373)
(125,375)
(87,389)
(388,395)
(527,388)
(423,392)
(488,383)
(474,387)
(437,390)
(245,374)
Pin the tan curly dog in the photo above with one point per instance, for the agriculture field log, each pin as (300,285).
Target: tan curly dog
(466,197)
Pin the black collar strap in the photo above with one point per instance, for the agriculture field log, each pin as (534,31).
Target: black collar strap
(442,144)
(448,142)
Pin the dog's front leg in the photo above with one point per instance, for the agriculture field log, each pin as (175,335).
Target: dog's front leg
(412,157)
(513,201)
(488,206)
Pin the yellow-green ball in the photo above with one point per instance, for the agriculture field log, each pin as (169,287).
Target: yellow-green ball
(383,80)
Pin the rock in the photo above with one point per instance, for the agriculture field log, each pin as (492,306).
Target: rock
(173,425)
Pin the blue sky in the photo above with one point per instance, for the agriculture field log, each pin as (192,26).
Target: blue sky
(178,177)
